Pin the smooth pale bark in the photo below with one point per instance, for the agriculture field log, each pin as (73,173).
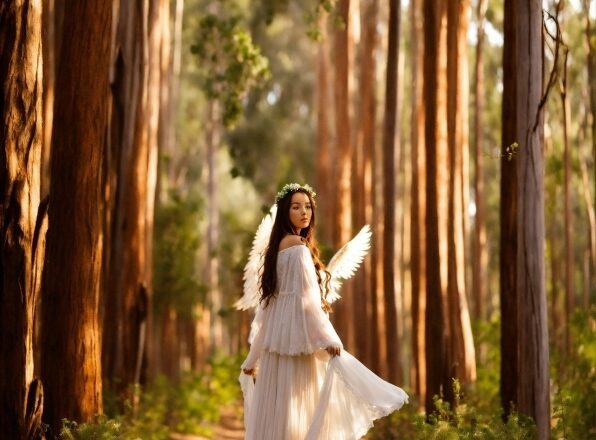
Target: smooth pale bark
(434,337)
(22,220)
(533,384)
(417,208)
(591,259)
(508,216)
(389,192)
(362,178)
(479,243)
(568,215)
(461,345)
(71,343)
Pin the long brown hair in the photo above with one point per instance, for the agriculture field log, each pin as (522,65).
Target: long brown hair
(282,226)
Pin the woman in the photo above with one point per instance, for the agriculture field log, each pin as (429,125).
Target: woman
(305,386)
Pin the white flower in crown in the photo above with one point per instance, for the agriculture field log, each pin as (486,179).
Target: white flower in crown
(293,187)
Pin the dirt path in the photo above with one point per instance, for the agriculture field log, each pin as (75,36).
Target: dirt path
(231,427)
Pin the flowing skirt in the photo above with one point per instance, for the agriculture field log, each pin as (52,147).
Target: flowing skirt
(312,397)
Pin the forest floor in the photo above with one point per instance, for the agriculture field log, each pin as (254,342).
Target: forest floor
(231,427)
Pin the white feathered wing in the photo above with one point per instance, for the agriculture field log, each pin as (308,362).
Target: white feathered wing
(346,261)
(254,266)
(342,266)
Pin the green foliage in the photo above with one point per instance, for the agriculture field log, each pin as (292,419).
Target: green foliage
(190,405)
(176,241)
(574,403)
(464,421)
(229,63)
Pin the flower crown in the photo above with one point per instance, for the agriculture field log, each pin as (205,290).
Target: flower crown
(293,187)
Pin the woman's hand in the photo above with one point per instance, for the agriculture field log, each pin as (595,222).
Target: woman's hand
(249,371)
(333,351)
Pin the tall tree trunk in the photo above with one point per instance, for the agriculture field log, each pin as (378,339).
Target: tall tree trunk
(342,55)
(591,263)
(417,251)
(128,297)
(23,221)
(508,216)
(212,267)
(342,204)
(533,384)
(323,164)
(71,367)
(157,81)
(362,178)
(461,346)
(591,43)
(479,251)
(435,344)
(389,193)
(379,346)
(569,289)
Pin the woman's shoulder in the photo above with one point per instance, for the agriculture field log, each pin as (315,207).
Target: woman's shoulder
(290,241)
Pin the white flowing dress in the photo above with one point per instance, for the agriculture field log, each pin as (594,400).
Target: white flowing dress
(300,392)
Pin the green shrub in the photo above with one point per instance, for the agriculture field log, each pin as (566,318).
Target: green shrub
(190,405)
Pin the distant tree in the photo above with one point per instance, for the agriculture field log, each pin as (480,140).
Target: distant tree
(434,336)
(389,193)
(22,218)
(71,363)
(462,364)
(417,209)
(479,247)
(364,147)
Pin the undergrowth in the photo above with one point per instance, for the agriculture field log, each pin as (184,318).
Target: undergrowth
(192,404)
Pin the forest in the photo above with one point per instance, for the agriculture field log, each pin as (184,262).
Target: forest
(142,142)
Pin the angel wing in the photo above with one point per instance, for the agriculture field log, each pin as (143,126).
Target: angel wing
(250,298)
(346,261)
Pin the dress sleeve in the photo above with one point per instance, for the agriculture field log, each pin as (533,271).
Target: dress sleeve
(293,323)
(318,326)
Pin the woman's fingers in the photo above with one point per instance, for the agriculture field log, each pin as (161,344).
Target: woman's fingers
(333,351)
(249,371)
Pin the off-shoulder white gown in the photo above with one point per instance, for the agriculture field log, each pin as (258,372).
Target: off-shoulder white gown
(300,392)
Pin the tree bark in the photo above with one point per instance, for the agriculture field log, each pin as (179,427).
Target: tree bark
(342,204)
(591,43)
(134,141)
(435,346)
(417,254)
(71,367)
(389,192)
(508,216)
(212,266)
(324,168)
(479,252)
(362,178)
(23,220)
(533,384)
(569,269)
(461,346)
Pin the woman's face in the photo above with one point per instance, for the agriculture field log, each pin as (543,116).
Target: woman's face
(300,211)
